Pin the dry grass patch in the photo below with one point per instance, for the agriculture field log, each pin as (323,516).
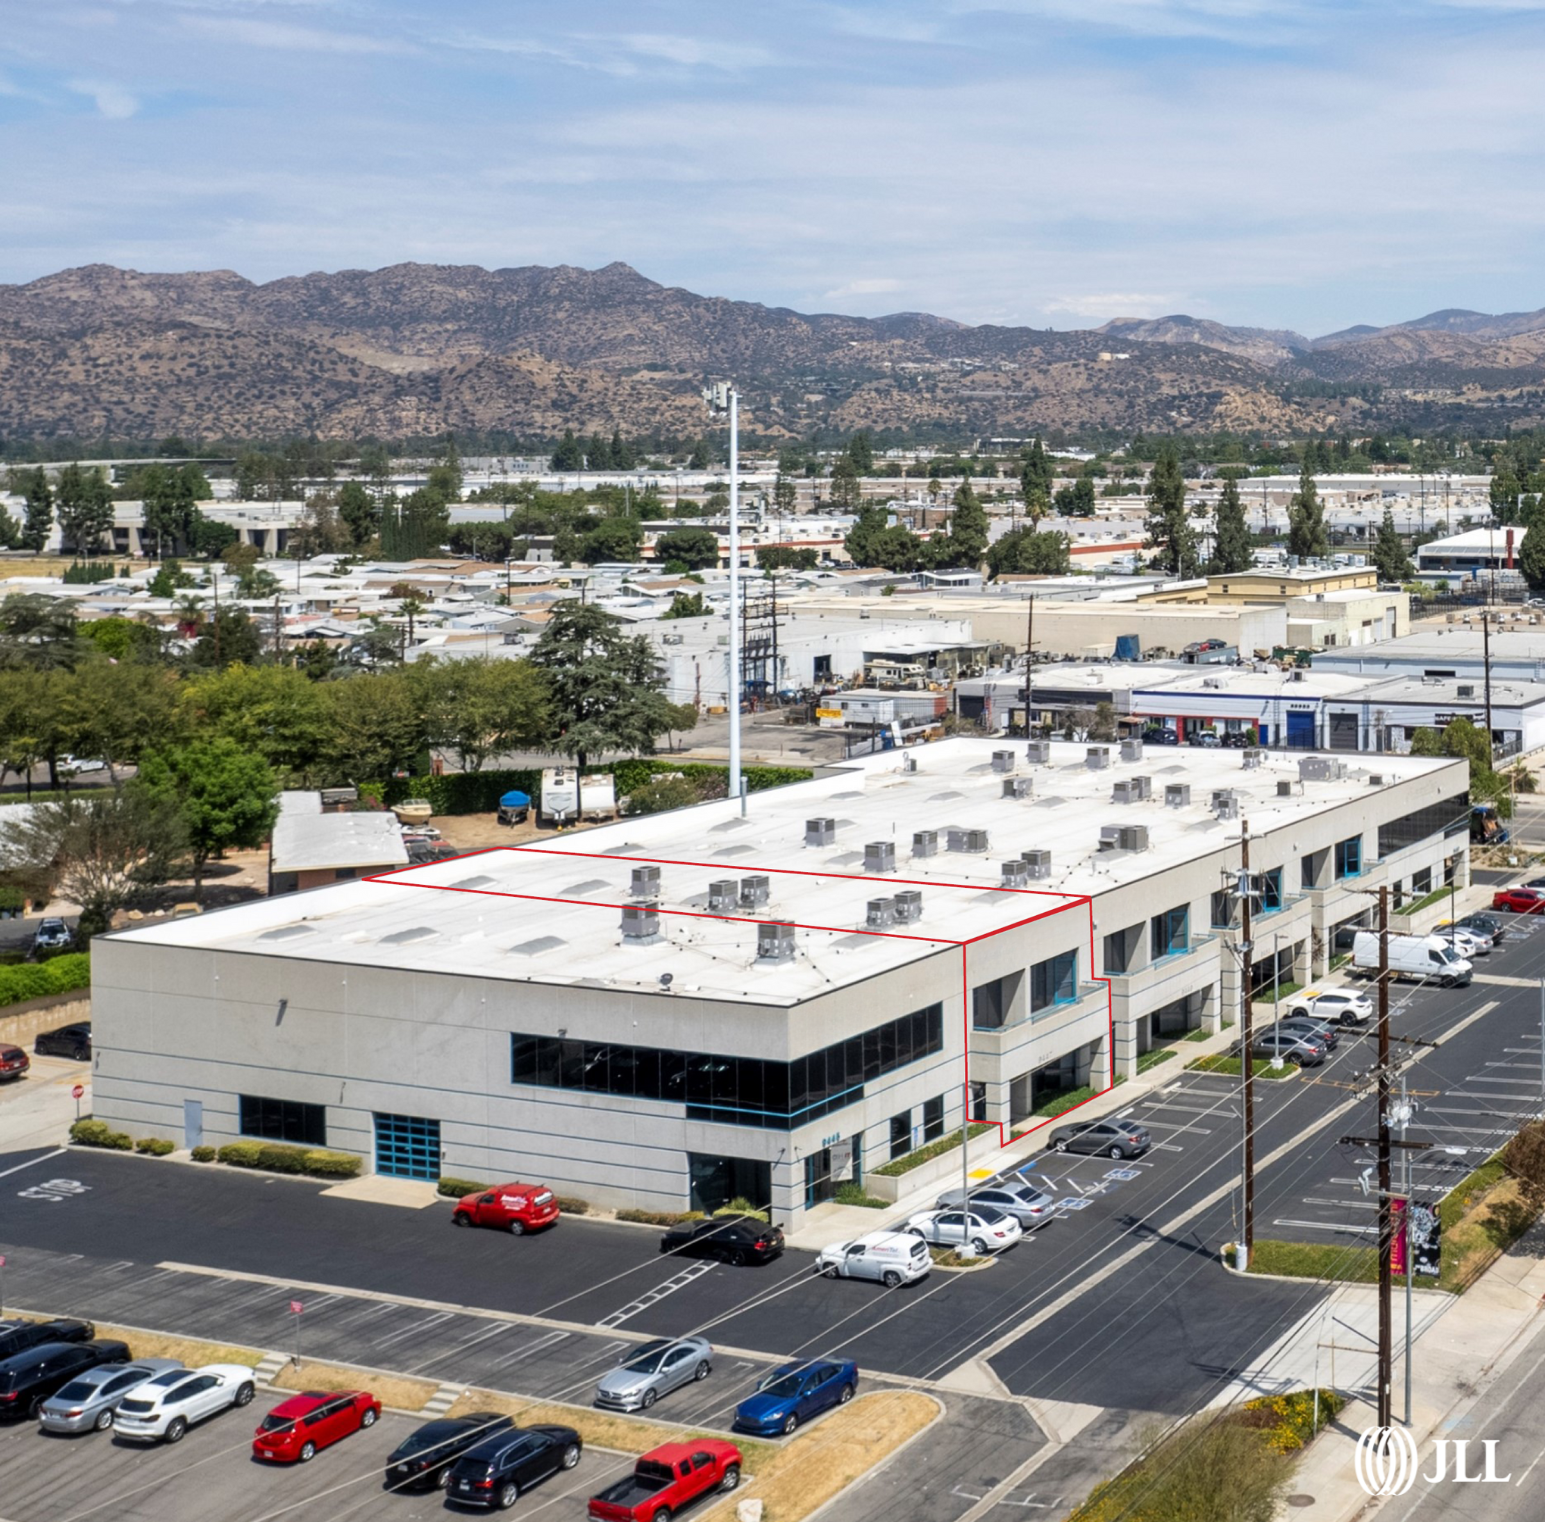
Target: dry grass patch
(193,1351)
(807,1472)
(393,1390)
(599,1429)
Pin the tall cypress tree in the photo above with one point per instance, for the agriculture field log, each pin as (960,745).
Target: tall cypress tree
(1231,543)
(1389,553)
(1306,519)
(1169,530)
(1035,479)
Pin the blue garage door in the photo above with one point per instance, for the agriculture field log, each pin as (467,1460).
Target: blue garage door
(1300,730)
(407,1146)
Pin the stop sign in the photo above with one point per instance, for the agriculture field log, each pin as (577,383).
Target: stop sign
(78,1091)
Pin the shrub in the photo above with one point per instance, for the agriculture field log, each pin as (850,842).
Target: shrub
(155,1146)
(276,1157)
(203,1154)
(573,1207)
(97,1133)
(926,1154)
(241,1154)
(321,1163)
(36,980)
(1287,1422)
(660,1217)
(853,1194)
(456,1188)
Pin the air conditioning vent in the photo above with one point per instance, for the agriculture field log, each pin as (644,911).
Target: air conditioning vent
(1465,690)
(1038,752)
(880,914)
(755,891)
(640,922)
(820,832)
(909,906)
(1253,756)
(1003,760)
(1375,779)
(1108,836)
(909,762)
(724,896)
(1177,795)
(1132,790)
(775,943)
(1097,758)
(1132,837)
(1016,874)
(880,856)
(645,884)
(1017,787)
(1321,769)
(925,843)
(973,841)
(1038,864)
(1225,805)
(1131,750)
(1284,788)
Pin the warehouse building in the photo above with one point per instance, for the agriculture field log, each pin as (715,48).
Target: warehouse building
(680,1009)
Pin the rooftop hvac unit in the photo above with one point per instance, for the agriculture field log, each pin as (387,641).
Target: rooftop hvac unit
(1225,804)
(755,891)
(1016,874)
(1108,835)
(880,856)
(820,832)
(909,762)
(1132,837)
(674,639)
(1038,752)
(1253,756)
(974,841)
(1321,769)
(1003,760)
(645,884)
(1375,779)
(1177,795)
(880,914)
(909,906)
(1038,864)
(640,922)
(1132,790)
(1097,758)
(925,843)
(1284,788)
(1017,787)
(1465,691)
(775,943)
(1131,750)
(724,896)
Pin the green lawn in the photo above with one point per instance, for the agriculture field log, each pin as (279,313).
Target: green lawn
(1275,993)
(1154,1058)
(1218,1063)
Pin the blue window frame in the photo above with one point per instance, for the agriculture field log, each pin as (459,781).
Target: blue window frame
(1170,932)
(1054,981)
(407,1146)
(1349,857)
(1271,891)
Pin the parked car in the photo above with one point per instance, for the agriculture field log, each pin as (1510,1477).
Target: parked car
(1519,900)
(795,1393)
(423,1459)
(653,1370)
(1321,1030)
(1239,739)
(1030,1206)
(1468,943)
(52,934)
(18,1336)
(1486,924)
(1119,1139)
(13,1061)
(1160,737)
(668,1479)
(163,1408)
(515,1208)
(1206,739)
(892,1258)
(502,1468)
(72,1041)
(1424,958)
(1298,1047)
(298,1428)
(985,1229)
(737,1239)
(1343,1005)
(90,1400)
(28,1379)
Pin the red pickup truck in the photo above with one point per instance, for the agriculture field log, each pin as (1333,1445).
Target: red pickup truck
(515,1208)
(667,1479)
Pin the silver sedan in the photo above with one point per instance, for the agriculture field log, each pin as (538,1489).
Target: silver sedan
(88,1402)
(654,1370)
(1030,1206)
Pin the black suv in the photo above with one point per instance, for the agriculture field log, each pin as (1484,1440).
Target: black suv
(730,1239)
(28,1379)
(73,1041)
(502,1468)
(423,1458)
(17,1336)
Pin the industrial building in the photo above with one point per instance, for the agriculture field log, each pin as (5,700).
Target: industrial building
(679,1009)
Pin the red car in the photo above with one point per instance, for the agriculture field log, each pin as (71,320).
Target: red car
(666,1479)
(13,1061)
(293,1431)
(515,1208)
(1520,900)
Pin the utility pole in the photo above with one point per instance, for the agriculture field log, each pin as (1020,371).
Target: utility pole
(1386,1215)
(1404,1115)
(721,397)
(1486,663)
(1247,1048)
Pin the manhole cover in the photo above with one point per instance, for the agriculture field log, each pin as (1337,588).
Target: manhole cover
(1300,1500)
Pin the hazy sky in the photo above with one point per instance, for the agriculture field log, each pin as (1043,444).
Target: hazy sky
(1049,162)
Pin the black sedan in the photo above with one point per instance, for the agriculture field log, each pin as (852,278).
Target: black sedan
(501,1468)
(28,1379)
(1102,1138)
(423,1459)
(73,1041)
(730,1239)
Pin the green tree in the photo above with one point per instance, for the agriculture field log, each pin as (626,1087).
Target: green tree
(377,725)
(320,531)
(686,605)
(445,477)
(1307,538)
(415,528)
(223,793)
(212,539)
(1036,479)
(118,712)
(1026,552)
(37,632)
(1076,499)
(481,708)
(699,458)
(779,557)
(861,452)
(568,455)
(85,509)
(1531,555)
(359,511)
(872,541)
(624,456)
(270,711)
(39,517)
(605,688)
(1504,492)
(253,583)
(1463,740)
(785,494)
(1231,540)
(123,639)
(696,548)
(1169,529)
(1389,553)
(965,545)
(847,491)
(170,578)
(612,539)
(230,637)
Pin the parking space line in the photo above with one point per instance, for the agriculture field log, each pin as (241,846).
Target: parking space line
(658,1293)
(416,1326)
(1171,1125)
(57,1152)
(1355,1231)
(461,1347)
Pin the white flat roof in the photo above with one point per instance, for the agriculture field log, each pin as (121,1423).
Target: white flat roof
(311,842)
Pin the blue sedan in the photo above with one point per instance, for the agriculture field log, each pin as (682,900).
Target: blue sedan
(795,1393)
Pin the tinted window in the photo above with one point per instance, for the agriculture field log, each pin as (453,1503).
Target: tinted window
(79,1389)
(283,1120)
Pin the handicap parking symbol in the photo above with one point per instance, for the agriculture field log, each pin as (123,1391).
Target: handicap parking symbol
(1122,1173)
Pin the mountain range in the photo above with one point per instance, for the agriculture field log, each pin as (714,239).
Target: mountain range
(105,353)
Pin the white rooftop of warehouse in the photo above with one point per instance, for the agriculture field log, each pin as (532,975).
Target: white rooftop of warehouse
(307,840)
(409,921)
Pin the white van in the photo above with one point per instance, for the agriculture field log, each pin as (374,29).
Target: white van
(891,1257)
(1411,956)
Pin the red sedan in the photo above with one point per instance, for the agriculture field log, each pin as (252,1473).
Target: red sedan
(296,1428)
(13,1061)
(1520,900)
(515,1208)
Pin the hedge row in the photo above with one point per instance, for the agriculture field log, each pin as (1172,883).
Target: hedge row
(97,1133)
(276,1157)
(480,792)
(36,980)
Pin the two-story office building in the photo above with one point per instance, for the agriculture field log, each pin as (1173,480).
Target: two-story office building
(689,1007)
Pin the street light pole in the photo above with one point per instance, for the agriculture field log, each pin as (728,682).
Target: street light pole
(737,787)
(1404,1115)
(1247,1053)
(1386,1216)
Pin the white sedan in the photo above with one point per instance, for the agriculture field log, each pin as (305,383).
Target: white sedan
(986,1229)
(1343,1005)
(162,1409)
(1468,942)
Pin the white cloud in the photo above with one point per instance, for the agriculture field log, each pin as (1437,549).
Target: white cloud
(864,288)
(1112,304)
(694,52)
(284,37)
(111,100)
